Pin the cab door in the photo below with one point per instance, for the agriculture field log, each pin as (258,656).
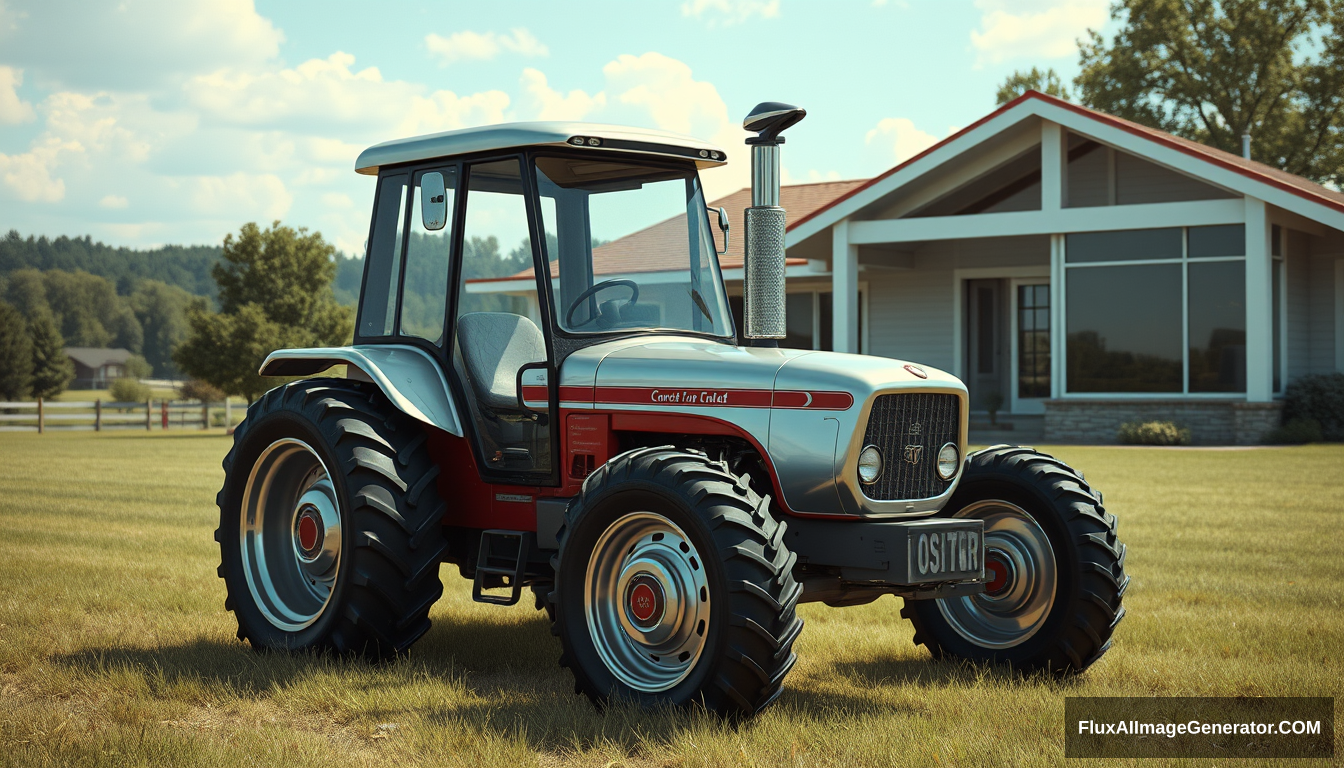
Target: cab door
(500,353)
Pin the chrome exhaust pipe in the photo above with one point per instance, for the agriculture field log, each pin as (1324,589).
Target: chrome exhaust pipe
(763,291)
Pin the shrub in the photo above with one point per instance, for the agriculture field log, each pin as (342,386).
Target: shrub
(1296,432)
(138,367)
(1153,433)
(1319,398)
(127,390)
(195,389)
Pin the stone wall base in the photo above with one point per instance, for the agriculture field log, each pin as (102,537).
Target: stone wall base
(1211,422)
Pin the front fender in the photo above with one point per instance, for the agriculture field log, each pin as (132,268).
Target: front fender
(410,378)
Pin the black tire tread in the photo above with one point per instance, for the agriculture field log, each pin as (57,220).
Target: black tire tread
(1093,608)
(757,650)
(395,515)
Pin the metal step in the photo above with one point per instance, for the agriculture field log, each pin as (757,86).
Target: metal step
(501,562)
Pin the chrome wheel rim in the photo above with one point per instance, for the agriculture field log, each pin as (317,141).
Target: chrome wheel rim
(1020,566)
(646,600)
(290,532)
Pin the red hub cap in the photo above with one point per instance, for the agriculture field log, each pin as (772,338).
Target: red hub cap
(309,532)
(644,601)
(997,573)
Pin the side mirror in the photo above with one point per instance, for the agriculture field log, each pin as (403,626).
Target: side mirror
(723,227)
(533,383)
(433,201)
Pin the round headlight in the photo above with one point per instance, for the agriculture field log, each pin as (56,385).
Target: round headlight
(948,460)
(870,465)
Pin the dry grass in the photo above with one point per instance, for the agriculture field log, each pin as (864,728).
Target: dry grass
(115,649)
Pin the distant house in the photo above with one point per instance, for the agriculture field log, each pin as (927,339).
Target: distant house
(96,367)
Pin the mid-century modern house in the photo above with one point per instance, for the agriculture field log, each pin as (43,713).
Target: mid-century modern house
(97,367)
(1080,269)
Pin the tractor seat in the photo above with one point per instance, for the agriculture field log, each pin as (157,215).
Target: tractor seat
(494,345)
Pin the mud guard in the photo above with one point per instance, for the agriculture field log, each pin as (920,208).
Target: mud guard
(410,378)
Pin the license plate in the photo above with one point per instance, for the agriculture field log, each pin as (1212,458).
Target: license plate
(946,550)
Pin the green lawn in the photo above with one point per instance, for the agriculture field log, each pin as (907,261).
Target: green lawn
(115,648)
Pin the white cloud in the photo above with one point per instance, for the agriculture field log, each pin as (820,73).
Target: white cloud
(135,42)
(253,196)
(13,109)
(477,46)
(548,104)
(728,12)
(337,200)
(113,202)
(900,136)
(29,176)
(1037,29)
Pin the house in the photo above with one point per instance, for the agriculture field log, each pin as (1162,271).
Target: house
(1080,269)
(96,367)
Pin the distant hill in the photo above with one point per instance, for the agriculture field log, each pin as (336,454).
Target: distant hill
(185,266)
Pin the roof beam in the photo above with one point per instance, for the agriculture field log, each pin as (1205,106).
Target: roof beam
(1097,219)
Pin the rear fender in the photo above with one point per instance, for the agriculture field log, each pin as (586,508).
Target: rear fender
(410,378)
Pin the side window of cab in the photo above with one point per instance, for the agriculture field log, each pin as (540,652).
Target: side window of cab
(382,262)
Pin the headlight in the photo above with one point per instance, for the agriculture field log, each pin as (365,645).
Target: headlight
(948,460)
(870,465)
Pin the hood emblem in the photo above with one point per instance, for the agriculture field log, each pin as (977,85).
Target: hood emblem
(916,370)
(916,428)
(911,454)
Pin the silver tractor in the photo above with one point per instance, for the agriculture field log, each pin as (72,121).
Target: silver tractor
(576,416)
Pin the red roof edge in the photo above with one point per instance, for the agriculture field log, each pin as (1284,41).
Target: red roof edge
(1151,134)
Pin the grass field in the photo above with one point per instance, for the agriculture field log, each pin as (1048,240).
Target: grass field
(115,648)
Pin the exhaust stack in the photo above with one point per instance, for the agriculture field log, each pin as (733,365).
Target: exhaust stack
(765,220)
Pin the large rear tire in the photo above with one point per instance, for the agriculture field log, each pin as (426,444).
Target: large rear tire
(330,530)
(674,586)
(1055,567)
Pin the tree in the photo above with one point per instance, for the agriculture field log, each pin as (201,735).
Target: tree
(1021,81)
(138,368)
(161,310)
(52,370)
(274,291)
(1211,70)
(16,354)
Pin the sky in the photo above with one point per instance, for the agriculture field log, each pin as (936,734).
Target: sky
(145,123)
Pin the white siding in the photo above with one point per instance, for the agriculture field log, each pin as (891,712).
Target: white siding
(1089,179)
(1298,309)
(1322,316)
(911,311)
(1138,181)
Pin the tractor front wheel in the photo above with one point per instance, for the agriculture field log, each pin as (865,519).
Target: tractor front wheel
(330,530)
(1054,567)
(674,586)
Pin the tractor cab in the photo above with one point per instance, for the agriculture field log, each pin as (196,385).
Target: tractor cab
(500,251)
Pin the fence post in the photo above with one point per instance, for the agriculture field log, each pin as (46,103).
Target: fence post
(149,415)
(41,425)
(163,413)
(205,414)
(98,415)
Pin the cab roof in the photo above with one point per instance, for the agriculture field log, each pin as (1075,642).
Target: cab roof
(488,138)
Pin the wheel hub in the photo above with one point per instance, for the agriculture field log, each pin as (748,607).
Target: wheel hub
(646,600)
(1020,575)
(290,531)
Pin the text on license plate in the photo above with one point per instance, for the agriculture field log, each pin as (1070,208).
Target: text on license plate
(948,552)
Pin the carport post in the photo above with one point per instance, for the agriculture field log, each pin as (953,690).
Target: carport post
(844,290)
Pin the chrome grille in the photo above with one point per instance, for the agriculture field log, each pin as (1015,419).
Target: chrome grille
(911,426)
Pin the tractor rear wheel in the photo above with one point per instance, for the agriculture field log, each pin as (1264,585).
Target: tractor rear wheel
(674,586)
(1055,569)
(330,531)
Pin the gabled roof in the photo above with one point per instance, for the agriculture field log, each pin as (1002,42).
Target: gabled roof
(662,246)
(1246,176)
(97,357)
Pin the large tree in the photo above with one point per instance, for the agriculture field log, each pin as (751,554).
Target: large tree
(1021,81)
(1212,70)
(274,291)
(16,354)
(52,370)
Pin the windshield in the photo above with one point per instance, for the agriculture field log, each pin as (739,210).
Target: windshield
(630,248)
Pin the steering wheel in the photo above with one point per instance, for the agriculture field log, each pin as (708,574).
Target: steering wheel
(634,297)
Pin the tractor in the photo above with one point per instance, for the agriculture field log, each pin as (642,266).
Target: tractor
(577,417)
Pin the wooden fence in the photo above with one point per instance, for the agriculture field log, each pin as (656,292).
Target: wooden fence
(96,415)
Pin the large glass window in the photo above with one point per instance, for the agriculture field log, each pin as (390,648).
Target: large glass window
(1174,324)
(808,320)
(424,293)
(378,305)
(1124,329)
(631,248)
(1217,306)
(1033,340)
